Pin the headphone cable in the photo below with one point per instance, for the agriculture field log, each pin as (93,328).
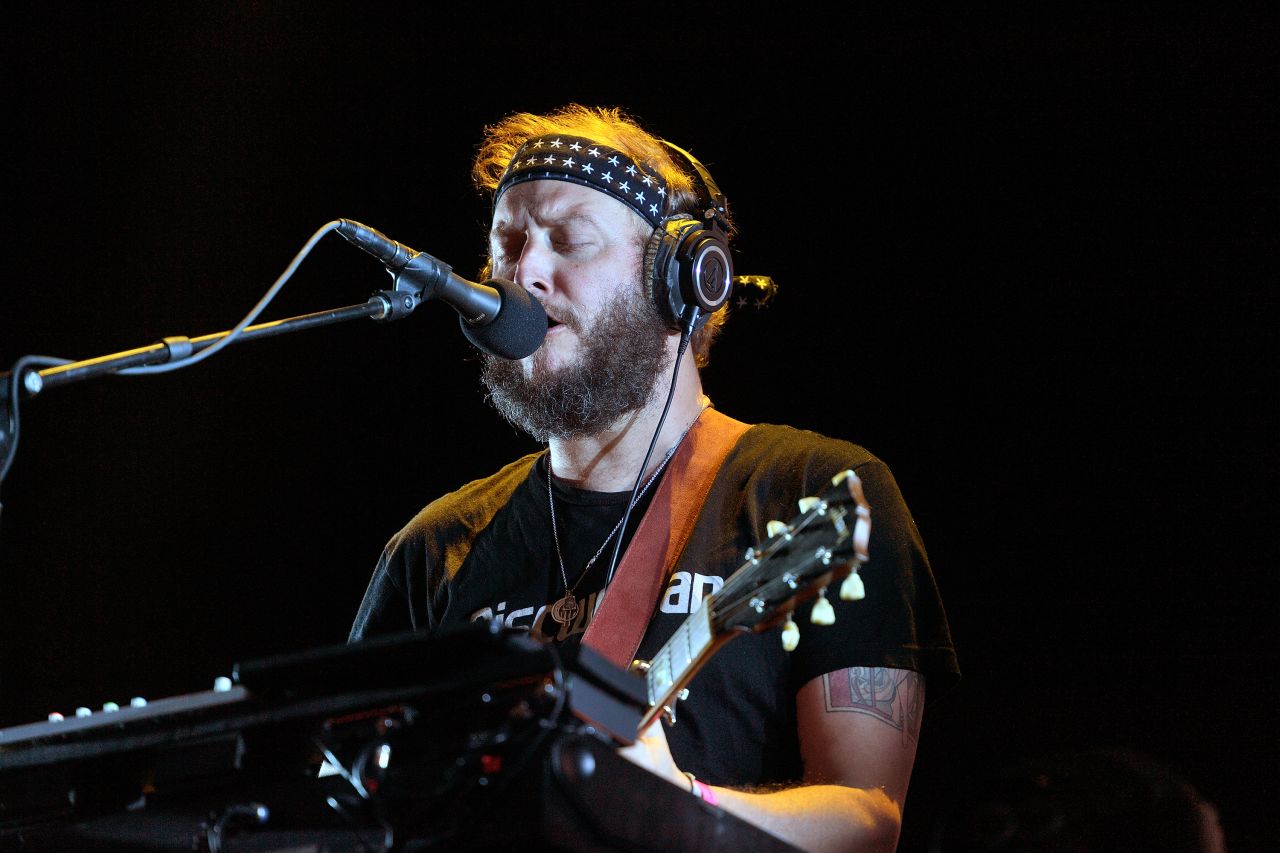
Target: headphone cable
(686,331)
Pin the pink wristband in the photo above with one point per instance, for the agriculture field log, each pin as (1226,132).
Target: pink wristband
(704,791)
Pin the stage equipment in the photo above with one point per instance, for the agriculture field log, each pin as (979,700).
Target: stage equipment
(476,739)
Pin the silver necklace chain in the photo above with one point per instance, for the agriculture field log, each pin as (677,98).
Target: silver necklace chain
(564,610)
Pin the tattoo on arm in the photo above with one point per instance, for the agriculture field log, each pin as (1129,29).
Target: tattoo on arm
(893,696)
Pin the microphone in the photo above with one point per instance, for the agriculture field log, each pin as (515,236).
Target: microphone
(499,317)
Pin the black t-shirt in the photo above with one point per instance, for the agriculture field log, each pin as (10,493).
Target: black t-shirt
(486,551)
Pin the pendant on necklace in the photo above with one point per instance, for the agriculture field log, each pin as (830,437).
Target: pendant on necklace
(565,610)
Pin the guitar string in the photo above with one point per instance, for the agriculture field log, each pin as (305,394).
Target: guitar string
(729,597)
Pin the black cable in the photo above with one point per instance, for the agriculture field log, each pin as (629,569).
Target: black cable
(15,397)
(276,286)
(16,377)
(685,333)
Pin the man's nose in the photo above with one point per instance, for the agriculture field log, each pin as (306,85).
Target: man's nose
(533,268)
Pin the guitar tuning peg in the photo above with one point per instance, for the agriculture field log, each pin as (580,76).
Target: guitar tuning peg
(852,588)
(809,503)
(773,528)
(842,476)
(823,613)
(790,635)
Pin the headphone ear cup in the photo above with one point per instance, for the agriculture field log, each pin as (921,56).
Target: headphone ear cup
(689,265)
(655,280)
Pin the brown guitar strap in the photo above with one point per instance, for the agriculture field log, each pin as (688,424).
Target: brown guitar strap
(619,623)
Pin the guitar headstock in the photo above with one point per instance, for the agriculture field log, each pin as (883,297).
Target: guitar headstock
(825,543)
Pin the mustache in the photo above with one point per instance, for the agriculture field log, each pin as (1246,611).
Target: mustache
(562,315)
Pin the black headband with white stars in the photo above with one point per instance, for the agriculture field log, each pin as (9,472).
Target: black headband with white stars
(560,157)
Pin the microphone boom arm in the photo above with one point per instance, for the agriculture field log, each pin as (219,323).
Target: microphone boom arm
(381,306)
(384,305)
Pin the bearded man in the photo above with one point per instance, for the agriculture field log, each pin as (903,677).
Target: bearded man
(816,745)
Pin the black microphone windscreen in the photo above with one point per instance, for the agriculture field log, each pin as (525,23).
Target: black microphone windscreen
(519,328)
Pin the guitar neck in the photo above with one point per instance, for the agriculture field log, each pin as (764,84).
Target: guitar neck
(675,664)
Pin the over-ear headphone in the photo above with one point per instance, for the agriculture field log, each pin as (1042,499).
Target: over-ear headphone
(688,258)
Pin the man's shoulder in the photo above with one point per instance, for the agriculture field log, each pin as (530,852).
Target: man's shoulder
(473,505)
(790,448)
(772,459)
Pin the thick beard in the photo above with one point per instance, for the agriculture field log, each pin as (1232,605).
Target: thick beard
(618,361)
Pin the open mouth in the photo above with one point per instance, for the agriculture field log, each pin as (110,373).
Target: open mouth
(554,320)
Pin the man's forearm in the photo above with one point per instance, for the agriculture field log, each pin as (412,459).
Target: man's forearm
(821,817)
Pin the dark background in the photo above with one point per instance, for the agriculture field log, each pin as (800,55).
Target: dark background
(1024,259)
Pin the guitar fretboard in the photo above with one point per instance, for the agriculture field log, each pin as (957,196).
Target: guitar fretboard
(690,641)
